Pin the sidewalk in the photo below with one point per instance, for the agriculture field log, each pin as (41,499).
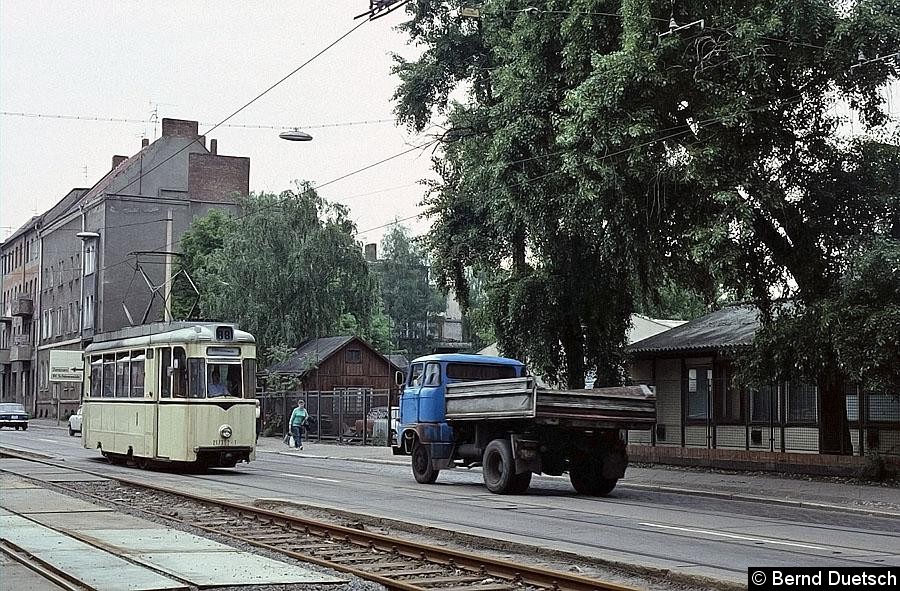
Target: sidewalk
(812,492)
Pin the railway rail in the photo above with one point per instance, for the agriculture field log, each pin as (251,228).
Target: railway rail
(395,563)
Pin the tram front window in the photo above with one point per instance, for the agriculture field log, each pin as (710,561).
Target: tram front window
(223,379)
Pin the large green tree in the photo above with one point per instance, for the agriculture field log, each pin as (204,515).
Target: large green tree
(750,107)
(287,268)
(600,153)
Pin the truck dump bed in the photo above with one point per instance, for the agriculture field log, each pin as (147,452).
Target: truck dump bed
(625,407)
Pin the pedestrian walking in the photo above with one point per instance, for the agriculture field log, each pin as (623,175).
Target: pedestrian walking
(298,420)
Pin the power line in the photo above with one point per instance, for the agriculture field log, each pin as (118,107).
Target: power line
(232,125)
(334,180)
(248,103)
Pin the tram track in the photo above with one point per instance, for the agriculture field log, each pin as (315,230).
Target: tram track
(60,580)
(395,563)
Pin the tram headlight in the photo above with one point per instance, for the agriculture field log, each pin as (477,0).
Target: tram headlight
(225,431)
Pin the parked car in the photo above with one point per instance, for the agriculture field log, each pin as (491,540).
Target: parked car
(75,423)
(13,415)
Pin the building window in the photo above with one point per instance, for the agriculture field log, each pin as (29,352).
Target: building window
(354,356)
(59,321)
(801,403)
(89,258)
(87,312)
(764,405)
(698,383)
(729,399)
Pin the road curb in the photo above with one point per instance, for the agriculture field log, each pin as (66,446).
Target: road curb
(764,500)
(659,488)
(26,452)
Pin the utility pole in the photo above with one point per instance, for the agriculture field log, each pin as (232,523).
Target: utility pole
(167,304)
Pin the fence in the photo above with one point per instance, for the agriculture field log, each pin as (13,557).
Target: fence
(355,416)
(781,417)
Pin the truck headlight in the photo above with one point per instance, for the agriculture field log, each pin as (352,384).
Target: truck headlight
(225,431)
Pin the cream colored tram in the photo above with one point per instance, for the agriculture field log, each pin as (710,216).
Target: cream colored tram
(171,393)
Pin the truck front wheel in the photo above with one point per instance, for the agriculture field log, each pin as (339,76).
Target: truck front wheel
(587,479)
(499,469)
(422,468)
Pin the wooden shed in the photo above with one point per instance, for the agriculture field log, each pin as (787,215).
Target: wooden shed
(337,363)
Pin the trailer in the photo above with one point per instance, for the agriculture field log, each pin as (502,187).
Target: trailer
(451,416)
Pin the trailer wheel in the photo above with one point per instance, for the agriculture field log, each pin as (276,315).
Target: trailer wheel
(587,479)
(499,469)
(422,467)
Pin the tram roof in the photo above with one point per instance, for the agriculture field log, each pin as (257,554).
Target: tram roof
(166,332)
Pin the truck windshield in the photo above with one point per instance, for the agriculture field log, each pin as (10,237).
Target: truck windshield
(469,372)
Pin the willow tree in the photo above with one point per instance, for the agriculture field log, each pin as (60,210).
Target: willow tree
(287,268)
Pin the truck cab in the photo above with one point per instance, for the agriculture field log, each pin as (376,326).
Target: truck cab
(422,400)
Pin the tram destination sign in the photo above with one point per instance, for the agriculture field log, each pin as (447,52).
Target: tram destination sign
(66,366)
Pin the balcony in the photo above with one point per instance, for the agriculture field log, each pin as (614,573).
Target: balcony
(23,306)
(4,356)
(20,353)
(21,349)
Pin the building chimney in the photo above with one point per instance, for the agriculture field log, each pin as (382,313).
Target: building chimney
(180,127)
(213,147)
(145,142)
(371,252)
(117,160)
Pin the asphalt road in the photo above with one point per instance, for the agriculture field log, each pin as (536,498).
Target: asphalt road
(689,534)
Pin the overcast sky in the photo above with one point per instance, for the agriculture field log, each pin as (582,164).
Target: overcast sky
(201,61)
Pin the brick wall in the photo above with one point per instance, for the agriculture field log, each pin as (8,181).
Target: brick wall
(732,459)
(218,178)
(180,127)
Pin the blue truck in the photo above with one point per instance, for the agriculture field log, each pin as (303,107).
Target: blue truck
(473,410)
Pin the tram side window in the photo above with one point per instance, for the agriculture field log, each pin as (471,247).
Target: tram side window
(179,373)
(197,377)
(109,376)
(123,373)
(250,377)
(165,379)
(96,376)
(137,374)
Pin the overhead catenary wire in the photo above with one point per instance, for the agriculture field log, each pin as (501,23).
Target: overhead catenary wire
(143,173)
(424,146)
(248,103)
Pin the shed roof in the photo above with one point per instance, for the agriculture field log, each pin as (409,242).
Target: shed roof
(732,326)
(312,352)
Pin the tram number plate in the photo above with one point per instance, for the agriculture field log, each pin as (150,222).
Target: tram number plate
(221,442)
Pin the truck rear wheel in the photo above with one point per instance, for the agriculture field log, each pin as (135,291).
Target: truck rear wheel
(587,479)
(498,468)
(422,467)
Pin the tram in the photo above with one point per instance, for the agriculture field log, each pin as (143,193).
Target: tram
(178,393)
